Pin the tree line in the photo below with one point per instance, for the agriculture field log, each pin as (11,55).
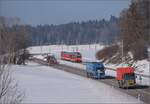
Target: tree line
(85,32)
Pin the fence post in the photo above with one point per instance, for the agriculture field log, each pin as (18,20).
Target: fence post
(149,62)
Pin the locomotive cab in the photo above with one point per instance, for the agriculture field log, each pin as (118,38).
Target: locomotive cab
(130,79)
(51,60)
(126,77)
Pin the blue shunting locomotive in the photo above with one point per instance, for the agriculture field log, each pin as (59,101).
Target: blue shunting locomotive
(95,70)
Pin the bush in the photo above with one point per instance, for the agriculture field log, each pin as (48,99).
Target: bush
(107,52)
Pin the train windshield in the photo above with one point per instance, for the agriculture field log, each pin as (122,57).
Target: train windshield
(129,76)
(77,55)
(100,68)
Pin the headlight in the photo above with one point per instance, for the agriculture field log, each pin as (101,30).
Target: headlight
(98,71)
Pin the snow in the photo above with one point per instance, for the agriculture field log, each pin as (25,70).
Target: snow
(72,64)
(88,53)
(143,64)
(43,84)
(142,69)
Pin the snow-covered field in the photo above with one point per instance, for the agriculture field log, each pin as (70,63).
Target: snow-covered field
(43,84)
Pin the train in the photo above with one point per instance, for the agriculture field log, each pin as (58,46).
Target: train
(95,70)
(71,56)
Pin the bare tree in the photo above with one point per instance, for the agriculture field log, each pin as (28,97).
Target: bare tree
(9,90)
(12,38)
(133,29)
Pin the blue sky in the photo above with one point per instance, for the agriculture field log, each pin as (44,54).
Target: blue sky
(61,11)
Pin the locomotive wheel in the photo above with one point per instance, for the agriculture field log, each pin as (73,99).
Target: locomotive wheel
(87,75)
(91,75)
(122,84)
(119,84)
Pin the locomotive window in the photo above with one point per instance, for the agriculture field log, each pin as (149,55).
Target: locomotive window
(100,68)
(129,76)
(78,56)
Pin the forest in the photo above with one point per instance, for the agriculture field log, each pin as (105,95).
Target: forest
(85,32)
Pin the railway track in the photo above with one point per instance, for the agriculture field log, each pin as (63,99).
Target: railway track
(139,91)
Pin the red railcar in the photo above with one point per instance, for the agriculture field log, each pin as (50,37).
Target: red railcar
(71,56)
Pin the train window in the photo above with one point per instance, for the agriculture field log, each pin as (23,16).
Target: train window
(78,56)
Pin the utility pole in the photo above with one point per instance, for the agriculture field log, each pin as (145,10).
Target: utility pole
(122,53)
(49,49)
(41,46)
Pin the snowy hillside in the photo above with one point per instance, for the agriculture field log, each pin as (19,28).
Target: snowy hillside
(43,84)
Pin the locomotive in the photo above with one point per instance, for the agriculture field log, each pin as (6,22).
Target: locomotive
(126,77)
(71,56)
(95,70)
(51,60)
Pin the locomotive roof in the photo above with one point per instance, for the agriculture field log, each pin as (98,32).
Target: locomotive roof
(72,52)
(96,63)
